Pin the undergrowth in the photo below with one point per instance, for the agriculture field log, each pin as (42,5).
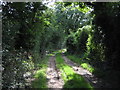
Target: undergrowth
(40,75)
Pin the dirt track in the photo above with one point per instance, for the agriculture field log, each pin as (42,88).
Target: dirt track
(53,75)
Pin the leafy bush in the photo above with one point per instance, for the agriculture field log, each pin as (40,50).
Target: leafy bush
(15,66)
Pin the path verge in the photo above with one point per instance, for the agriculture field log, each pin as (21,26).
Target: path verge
(40,75)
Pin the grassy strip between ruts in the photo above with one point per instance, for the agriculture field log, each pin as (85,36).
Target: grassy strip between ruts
(71,79)
(40,75)
(82,64)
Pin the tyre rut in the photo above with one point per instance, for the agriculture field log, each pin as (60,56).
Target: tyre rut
(53,75)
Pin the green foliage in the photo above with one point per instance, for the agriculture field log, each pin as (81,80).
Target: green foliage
(40,75)
(15,67)
(76,42)
(19,31)
(87,66)
(24,15)
(71,18)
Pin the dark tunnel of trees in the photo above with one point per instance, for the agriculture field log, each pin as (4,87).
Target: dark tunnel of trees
(89,30)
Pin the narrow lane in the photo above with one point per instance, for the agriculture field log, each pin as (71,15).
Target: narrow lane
(53,75)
